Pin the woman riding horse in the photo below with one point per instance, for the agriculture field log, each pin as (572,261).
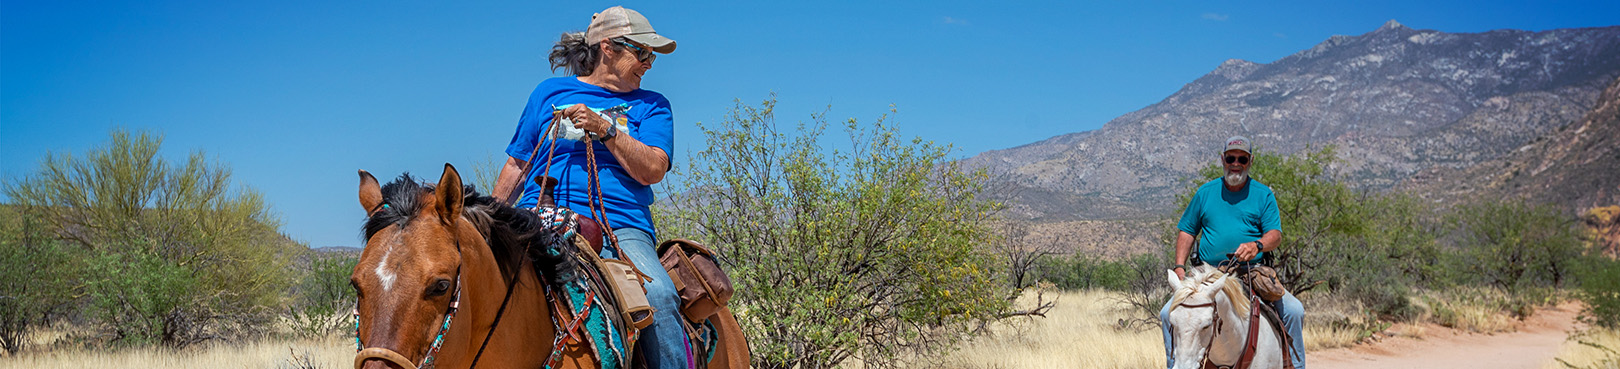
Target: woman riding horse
(450,278)
(633,132)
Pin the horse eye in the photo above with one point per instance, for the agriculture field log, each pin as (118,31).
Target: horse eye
(440,287)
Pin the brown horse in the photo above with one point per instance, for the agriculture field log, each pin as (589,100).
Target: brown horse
(436,267)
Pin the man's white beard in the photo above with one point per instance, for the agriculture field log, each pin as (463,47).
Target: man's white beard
(1236,179)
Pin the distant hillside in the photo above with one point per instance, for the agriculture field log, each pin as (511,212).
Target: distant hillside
(1397,102)
(1577,165)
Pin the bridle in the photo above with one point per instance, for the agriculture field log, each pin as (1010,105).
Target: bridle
(362,353)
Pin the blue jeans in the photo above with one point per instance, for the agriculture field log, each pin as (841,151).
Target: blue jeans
(1293,317)
(663,344)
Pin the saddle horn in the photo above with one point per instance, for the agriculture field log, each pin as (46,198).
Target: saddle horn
(546,185)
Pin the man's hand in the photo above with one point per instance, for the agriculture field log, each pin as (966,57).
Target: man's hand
(1181,272)
(1246,251)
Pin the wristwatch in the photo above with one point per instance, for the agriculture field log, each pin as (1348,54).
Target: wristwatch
(612,132)
(1259,247)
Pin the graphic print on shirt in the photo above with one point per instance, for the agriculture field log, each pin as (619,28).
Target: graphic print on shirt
(616,114)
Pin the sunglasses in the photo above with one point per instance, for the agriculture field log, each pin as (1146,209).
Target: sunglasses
(1239,159)
(642,54)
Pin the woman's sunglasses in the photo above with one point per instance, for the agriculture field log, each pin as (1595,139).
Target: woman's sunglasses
(642,54)
(1239,159)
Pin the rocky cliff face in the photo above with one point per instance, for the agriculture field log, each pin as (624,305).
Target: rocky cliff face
(1396,101)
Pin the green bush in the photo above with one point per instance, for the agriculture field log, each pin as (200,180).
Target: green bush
(323,296)
(873,251)
(1600,289)
(1514,244)
(1085,271)
(173,253)
(36,279)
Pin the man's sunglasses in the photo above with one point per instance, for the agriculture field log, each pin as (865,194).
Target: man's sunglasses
(1239,159)
(642,54)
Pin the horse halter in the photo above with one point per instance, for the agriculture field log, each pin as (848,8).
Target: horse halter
(363,353)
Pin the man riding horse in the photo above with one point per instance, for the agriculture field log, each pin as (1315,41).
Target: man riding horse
(1235,216)
(633,133)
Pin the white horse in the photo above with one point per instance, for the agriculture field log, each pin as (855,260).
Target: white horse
(1209,322)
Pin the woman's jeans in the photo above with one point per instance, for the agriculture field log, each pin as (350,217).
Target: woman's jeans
(663,344)
(1293,319)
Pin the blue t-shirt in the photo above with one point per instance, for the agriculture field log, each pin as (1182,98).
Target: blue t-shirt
(642,114)
(1229,218)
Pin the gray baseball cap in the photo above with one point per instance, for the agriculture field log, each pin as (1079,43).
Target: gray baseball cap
(621,22)
(1238,143)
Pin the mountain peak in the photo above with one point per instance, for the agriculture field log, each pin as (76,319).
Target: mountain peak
(1391,25)
(1235,69)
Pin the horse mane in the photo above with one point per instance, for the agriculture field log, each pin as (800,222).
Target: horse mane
(507,230)
(1204,275)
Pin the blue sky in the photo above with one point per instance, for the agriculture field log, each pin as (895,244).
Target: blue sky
(297,95)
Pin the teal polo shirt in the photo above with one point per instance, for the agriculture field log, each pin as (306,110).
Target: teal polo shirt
(1227,218)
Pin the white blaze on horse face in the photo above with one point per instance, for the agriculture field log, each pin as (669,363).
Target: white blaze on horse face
(384,274)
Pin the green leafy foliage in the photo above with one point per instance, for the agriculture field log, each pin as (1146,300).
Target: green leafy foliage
(874,251)
(323,297)
(35,282)
(1600,289)
(1513,244)
(170,252)
(1086,271)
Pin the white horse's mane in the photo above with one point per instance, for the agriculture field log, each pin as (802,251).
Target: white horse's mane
(1203,276)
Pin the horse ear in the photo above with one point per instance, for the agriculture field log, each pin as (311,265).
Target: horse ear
(1216,287)
(449,193)
(370,192)
(1175,283)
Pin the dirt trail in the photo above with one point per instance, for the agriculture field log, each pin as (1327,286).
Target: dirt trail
(1531,347)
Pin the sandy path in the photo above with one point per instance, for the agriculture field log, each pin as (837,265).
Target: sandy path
(1531,347)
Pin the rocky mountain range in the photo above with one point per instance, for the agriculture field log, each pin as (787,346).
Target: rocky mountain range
(1406,108)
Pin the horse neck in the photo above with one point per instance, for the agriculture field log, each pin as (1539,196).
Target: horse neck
(526,320)
(1233,334)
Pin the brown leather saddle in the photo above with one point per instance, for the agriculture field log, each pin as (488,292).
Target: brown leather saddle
(1259,309)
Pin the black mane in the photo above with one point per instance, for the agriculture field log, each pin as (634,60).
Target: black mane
(508,231)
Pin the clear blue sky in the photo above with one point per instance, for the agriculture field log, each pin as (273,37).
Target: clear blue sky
(297,95)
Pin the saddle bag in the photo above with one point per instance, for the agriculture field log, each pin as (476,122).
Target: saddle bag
(627,285)
(704,288)
(1263,280)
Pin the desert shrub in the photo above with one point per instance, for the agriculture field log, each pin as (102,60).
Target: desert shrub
(1082,271)
(873,251)
(1513,244)
(1599,279)
(174,253)
(322,296)
(36,278)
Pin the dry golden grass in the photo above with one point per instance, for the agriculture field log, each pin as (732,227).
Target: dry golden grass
(1332,322)
(1474,309)
(334,352)
(1078,333)
(1579,350)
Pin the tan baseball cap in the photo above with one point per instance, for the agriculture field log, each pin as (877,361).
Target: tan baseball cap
(621,22)
(1238,143)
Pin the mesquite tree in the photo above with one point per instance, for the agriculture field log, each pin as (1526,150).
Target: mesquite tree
(876,251)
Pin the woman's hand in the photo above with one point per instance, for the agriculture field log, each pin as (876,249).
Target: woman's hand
(587,120)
